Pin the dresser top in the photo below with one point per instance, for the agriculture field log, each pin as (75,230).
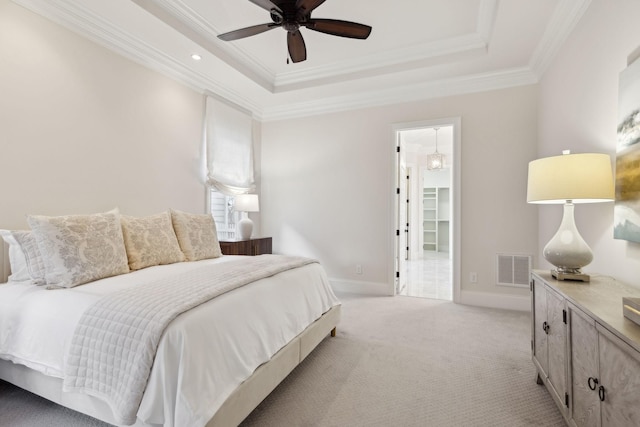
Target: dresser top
(602,299)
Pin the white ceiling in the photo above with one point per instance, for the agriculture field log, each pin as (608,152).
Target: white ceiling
(418,49)
(422,141)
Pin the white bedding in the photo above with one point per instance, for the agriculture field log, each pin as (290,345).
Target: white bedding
(203,355)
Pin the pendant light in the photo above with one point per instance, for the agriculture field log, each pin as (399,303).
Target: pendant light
(436,160)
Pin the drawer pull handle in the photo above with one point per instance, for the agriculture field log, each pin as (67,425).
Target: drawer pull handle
(545,328)
(592,383)
(601,393)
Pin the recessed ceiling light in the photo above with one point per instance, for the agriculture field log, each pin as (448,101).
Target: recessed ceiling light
(196,57)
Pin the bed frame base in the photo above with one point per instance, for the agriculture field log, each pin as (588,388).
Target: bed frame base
(235,409)
(267,377)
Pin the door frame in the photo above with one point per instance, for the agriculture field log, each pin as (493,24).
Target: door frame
(403,223)
(456,190)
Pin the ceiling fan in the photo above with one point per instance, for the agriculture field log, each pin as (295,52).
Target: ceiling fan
(293,14)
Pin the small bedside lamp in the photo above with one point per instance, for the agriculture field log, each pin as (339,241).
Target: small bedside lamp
(246,203)
(570,179)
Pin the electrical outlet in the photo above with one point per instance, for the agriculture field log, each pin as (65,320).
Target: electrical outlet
(473,277)
(358,268)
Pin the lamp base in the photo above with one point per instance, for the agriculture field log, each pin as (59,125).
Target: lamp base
(245,228)
(577,276)
(567,250)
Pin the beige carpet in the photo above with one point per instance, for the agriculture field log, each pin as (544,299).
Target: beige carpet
(415,362)
(395,362)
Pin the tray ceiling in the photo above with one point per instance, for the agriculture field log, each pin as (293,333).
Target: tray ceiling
(418,48)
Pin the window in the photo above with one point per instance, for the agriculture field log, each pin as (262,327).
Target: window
(229,152)
(221,207)
(229,139)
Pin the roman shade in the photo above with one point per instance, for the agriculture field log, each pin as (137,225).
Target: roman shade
(229,144)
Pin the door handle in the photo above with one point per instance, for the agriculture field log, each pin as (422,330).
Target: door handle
(601,393)
(592,383)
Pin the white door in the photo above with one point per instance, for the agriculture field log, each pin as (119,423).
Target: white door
(403,226)
(405,247)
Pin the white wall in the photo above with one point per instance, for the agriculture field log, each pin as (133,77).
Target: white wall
(83,130)
(578,111)
(326,185)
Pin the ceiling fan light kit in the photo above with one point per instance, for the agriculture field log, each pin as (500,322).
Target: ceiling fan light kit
(293,14)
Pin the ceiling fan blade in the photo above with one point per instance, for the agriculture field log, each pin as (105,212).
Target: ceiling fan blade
(266,4)
(339,28)
(297,47)
(305,7)
(246,32)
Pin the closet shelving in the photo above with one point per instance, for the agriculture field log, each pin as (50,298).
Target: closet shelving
(435,223)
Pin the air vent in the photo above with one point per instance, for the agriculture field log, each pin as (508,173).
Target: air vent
(513,270)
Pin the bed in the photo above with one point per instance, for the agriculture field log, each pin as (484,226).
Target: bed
(215,362)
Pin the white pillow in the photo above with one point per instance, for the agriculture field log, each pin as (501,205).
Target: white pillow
(17,261)
(32,255)
(24,257)
(78,249)
(196,235)
(150,240)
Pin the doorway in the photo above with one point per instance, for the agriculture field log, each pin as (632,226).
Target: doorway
(427,209)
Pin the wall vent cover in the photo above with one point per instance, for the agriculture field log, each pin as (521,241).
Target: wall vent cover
(513,270)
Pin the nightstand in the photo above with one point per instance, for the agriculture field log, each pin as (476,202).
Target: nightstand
(255,246)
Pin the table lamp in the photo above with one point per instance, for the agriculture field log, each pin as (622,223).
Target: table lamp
(246,203)
(570,179)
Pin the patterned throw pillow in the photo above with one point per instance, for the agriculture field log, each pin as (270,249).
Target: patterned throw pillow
(78,249)
(150,240)
(196,234)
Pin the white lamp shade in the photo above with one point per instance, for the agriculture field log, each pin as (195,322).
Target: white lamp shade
(246,203)
(581,178)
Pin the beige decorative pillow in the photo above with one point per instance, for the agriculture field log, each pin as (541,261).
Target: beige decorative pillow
(80,248)
(150,240)
(197,235)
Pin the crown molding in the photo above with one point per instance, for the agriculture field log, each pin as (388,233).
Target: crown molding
(186,21)
(565,18)
(487,18)
(409,93)
(98,30)
(376,64)
(72,15)
(194,26)
(410,57)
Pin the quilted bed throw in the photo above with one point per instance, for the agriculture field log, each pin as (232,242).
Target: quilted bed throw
(116,339)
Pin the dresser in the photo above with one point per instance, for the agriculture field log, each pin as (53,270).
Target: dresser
(585,351)
(255,246)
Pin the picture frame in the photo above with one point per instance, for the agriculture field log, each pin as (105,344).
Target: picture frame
(627,176)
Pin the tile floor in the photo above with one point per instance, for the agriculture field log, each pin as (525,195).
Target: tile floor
(429,277)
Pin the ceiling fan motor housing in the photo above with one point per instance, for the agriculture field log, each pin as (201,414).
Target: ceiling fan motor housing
(291,26)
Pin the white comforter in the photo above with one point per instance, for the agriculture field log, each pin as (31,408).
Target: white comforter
(203,355)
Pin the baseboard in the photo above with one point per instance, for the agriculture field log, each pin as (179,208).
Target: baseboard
(492,300)
(480,299)
(360,287)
